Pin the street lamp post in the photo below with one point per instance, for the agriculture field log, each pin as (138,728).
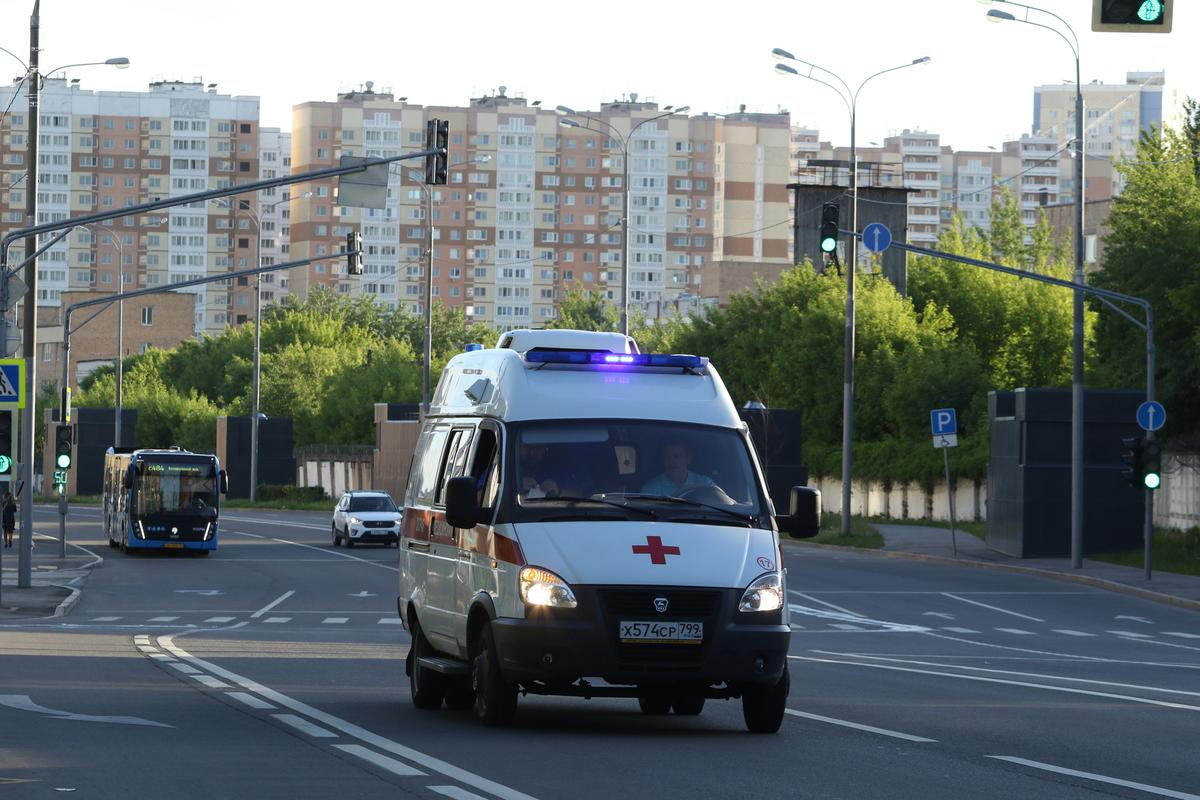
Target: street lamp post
(120,327)
(625,141)
(33,81)
(850,98)
(1077,326)
(254,213)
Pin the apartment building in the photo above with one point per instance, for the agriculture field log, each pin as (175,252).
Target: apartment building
(534,201)
(102,151)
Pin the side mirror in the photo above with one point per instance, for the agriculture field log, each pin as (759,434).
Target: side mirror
(804,518)
(224,482)
(462,510)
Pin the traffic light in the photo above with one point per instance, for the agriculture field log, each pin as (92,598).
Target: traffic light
(1132,16)
(437,137)
(6,444)
(1134,459)
(354,264)
(62,446)
(1152,464)
(829,227)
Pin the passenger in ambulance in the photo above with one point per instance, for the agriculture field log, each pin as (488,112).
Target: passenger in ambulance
(676,478)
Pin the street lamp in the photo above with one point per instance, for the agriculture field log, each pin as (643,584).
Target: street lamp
(1077,333)
(850,98)
(116,239)
(33,79)
(254,213)
(625,141)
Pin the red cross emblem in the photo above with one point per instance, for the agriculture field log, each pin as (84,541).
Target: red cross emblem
(657,551)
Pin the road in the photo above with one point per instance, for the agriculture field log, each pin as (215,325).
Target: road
(274,668)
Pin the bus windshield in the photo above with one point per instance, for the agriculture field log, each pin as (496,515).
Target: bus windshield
(177,489)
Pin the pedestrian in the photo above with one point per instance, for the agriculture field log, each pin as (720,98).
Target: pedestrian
(10,517)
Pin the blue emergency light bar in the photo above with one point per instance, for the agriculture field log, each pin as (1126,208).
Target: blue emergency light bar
(591,357)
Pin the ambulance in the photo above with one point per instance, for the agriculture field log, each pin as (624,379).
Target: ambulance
(586,520)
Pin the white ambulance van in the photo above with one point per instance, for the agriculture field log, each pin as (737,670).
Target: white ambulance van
(583,519)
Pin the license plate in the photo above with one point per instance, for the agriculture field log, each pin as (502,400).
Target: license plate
(173,544)
(684,632)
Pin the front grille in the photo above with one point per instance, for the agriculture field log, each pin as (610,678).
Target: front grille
(681,603)
(378,523)
(638,605)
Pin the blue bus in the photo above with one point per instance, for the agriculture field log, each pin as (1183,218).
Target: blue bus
(162,499)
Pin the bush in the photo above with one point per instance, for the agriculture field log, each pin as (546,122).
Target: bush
(300,494)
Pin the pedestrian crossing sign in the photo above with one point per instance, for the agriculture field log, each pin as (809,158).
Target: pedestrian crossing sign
(12,383)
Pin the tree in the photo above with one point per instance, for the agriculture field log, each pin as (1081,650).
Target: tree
(1153,252)
(586,310)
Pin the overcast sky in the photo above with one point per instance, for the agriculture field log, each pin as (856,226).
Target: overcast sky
(977,91)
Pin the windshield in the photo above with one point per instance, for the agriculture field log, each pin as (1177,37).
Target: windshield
(177,488)
(662,470)
(378,502)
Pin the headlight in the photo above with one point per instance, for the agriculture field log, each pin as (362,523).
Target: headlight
(354,520)
(764,594)
(541,587)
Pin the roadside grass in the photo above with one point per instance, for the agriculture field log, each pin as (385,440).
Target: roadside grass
(1174,551)
(861,533)
(978,529)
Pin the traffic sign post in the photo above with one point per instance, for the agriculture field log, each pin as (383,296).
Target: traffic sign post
(1151,415)
(944,422)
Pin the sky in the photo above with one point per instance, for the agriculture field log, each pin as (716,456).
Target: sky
(976,91)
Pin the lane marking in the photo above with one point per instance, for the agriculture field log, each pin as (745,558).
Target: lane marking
(335,620)
(1071,633)
(1016,631)
(1025,684)
(257,520)
(960,630)
(277,620)
(272,604)
(812,599)
(250,700)
(908,737)
(1182,635)
(851,618)
(390,764)
(163,619)
(23,702)
(186,669)
(304,726)
(842,626)
(993,608)
(1132,635)
(1092,776)
(389,620)
(325,549)
(455,792)
(211,682)
(220,619)
(350,729)
(105,619)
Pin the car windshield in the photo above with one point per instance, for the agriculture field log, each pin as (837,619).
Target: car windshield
(582,469)
(372,502)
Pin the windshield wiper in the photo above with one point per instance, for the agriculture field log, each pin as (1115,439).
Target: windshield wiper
(603,500)
(749,519)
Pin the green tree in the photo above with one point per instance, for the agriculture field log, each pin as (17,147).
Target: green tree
(587,310)
(1153,252)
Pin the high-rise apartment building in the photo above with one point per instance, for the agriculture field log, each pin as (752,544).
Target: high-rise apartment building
(534,202)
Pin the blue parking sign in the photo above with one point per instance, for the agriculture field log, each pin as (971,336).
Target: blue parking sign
(944,421)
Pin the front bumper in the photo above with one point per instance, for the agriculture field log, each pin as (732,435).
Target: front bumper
(361,533)
(560,646)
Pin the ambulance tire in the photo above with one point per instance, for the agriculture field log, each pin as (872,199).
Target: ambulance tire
(495,698)
(763,707)
(688,705)
(655,704)
(428,687)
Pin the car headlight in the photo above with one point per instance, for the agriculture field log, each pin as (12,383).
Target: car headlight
(354,520)
(541,587)
(764,594)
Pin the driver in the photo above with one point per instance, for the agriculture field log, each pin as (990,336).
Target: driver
(676,478)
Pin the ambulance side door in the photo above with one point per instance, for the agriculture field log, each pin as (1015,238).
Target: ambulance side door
(444,548)
(416,546)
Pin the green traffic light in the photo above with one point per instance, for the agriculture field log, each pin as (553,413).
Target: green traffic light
(1152,480)
(828,244)
(1150,10)
(5,463)
(63,461)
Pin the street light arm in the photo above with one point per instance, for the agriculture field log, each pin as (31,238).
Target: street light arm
(784,69)
(913,63)
(21,61)
(784,54)
(1067,25)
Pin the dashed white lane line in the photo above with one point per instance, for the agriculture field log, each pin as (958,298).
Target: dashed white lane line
(389,620)
(335,620)
(908,737)
(960,630)
(220,619)
(993,608)
(1092,776)
(304,726)
(1016,631)
(186,669)
(1132,635)
(250,700)
(105,619)
(211,682)
(1071,633)
(455,792)
(277,619)
(1182,635)
(383,762)
(163,619)
(272,604)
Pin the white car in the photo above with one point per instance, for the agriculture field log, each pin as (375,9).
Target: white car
(366,516)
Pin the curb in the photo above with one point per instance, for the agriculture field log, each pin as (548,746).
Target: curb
(1086,580)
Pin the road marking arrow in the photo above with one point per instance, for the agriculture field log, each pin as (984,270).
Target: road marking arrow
(22,702)
(1135,619)
(363,593)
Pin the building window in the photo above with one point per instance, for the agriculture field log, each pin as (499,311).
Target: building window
(147,315)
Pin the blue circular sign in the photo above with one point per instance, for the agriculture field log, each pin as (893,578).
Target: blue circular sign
(876,237)
(1151,415)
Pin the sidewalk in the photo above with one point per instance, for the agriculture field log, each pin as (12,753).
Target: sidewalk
(934,544)
(55,582)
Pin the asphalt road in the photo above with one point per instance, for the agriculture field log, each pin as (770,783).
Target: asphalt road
(274,668)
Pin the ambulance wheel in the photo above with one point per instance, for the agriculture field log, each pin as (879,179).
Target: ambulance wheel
(460,694)
(428,688)
(763,706)
(655,704)
(495,698)
(688,705)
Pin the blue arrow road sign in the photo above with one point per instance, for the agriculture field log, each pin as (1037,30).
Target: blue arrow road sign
(1151,415)
(876,237)
(944,421)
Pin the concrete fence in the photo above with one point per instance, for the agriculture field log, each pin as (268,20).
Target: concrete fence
(335,469)
(1177,501)
(906,501)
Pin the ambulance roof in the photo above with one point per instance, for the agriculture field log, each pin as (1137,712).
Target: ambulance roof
(536,384)
(523,340)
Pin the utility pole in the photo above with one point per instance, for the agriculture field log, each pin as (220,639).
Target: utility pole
(33,85)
